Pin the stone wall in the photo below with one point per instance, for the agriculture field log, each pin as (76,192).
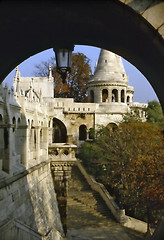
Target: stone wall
(29,197)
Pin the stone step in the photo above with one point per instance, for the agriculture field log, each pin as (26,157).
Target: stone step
(85,207)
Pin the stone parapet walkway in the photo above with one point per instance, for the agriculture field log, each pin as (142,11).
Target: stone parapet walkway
(88,216)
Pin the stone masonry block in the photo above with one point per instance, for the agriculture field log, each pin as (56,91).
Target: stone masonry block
(15,195)
(3,193)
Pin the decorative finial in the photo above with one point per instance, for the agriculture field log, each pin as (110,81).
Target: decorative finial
(50,71)
(31,83)
(95,66)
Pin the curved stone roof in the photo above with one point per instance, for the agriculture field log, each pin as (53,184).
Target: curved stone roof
(109,69)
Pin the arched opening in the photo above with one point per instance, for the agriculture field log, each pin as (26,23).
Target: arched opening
(14,123)
(114,95)
(19,121)
(82,132)
(92,96)
(104,95)
(91,133)
(41,138)
(129,26)
(1,119)
(28,122)
(112,126)
(6,138)
(59,133)
(122,95)
(128,99)
(1,134)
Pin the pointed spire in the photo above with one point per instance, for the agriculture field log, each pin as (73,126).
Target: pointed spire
(109,68)
(16,81)
(95,66)
(31,83)
(16,70)
(50,71)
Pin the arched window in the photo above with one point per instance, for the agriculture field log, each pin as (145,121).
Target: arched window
(32,136)
(114,95)
(112,127)
(28,123)
(6,138)
(91,133)
(14,123)
(92,96)
(82,132)
(1,119)
(122,96)
(104,95)
(41,138)
(19,121)
(128,99)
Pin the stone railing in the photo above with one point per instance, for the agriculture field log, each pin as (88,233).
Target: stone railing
(62,158)
(138,105)
(62,151)
(118,213)
(15,229)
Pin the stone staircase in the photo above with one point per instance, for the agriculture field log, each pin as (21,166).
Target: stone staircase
(87,214)
(85,207)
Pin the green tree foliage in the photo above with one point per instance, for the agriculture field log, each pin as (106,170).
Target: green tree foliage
(130,159)
(154,112)
(76,81)
(131,117)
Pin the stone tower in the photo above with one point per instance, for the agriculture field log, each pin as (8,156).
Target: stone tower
(110,82)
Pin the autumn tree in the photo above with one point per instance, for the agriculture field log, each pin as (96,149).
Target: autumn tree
(129,159)
(76,81)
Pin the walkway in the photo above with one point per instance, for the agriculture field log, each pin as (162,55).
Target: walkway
(88,216)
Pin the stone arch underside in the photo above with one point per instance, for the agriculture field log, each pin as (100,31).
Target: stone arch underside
(106,24)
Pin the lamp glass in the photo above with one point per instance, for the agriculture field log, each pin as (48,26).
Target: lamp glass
(63,59)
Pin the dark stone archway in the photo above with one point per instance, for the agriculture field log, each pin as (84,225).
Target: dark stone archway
(30,27)
(59,134)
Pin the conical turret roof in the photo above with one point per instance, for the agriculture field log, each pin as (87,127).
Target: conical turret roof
(109,69)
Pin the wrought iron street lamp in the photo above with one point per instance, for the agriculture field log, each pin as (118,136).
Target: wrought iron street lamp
(63,61)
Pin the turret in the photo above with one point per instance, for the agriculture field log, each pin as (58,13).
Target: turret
(110,81)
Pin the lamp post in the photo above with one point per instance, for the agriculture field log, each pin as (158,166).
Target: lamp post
(63,61)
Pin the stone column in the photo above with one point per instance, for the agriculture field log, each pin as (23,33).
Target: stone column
(119,95)
(37,129)
(24,135)
(8,141)
(45,140)
(109,95)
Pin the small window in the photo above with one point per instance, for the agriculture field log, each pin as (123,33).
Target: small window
(114,95)
(105,61)
(104,95)
(92,96)
(122,96)
(82,132)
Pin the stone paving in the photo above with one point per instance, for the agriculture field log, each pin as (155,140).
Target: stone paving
(88,216)
(114,232)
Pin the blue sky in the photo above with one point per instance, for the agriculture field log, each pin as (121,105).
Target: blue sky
(143,92)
